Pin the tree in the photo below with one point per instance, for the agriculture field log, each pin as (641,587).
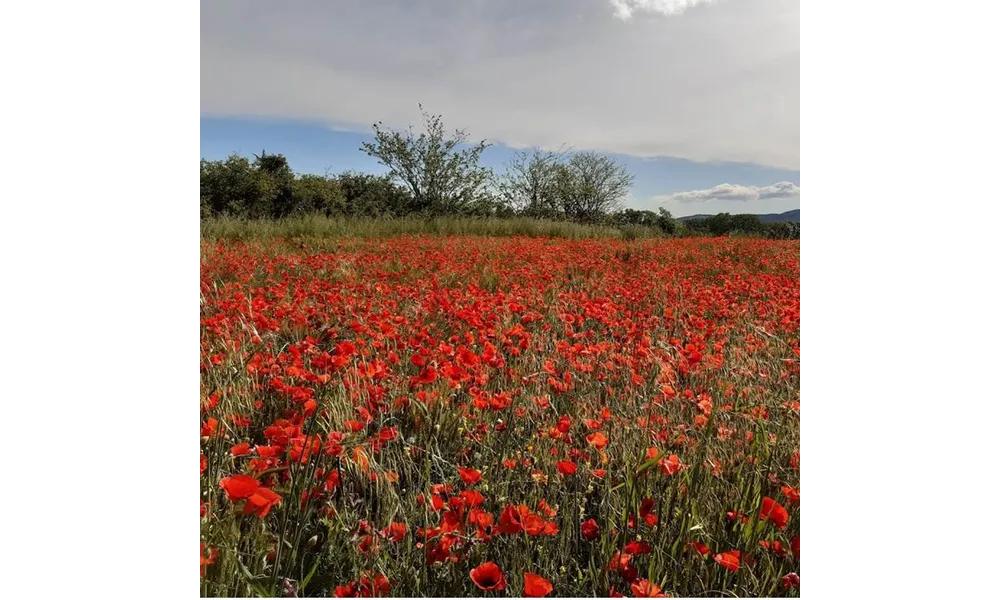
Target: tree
(781,230)
(318,194)
(225,185)
(530,184)
(368,195)
(746,223)
(441,178)
(591,186)
(720,224)
(667,222)
(276,179)
(630,216)
(264,188)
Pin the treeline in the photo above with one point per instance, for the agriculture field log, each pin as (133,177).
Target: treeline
(438,174)
(266,188)
(750,225)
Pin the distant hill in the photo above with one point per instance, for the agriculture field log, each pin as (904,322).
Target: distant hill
(791,216)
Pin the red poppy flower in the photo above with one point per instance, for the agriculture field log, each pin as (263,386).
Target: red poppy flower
(700,548)
(597,440)
(260,502)
(638,548)
(622,563)
(790,581)
(213,553)
(457,504)
(774,547)
(646,512)
(368,545)
(589,529)
(510,519)
(395,532)
(736,516)
(566,467)
(374,585)
(470,476)
(563,424)
(240,449)
(671,465)
(472,498)
(644,588)
(533,524)
(774,512)
(729,560)
(450,521)
(488,576)
(476,514)
(483,521)
(239,487)
(240,421)
(792,494)
(346,591)
(536,586)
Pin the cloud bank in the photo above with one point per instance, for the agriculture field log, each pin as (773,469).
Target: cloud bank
(783,190)
(624,9)
(706,85)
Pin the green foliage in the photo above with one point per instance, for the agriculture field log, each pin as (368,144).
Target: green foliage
(591,186)
(586,187)
(369,195)
(316,194)
(260,189)
(227,187)
(720,224)
(529,185)
(746,223)
(276,179)
(782,231)
(666,221)
(738,225)
(442,178)
(661,221)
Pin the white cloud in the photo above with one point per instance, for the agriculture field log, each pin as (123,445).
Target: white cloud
(625,8)
(707,85)
(783,190)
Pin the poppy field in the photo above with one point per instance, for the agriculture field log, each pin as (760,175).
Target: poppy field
(477,416)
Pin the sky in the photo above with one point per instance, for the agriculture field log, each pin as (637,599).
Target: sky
(699,99)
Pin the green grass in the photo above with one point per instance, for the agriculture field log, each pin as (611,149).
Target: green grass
(340,227)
